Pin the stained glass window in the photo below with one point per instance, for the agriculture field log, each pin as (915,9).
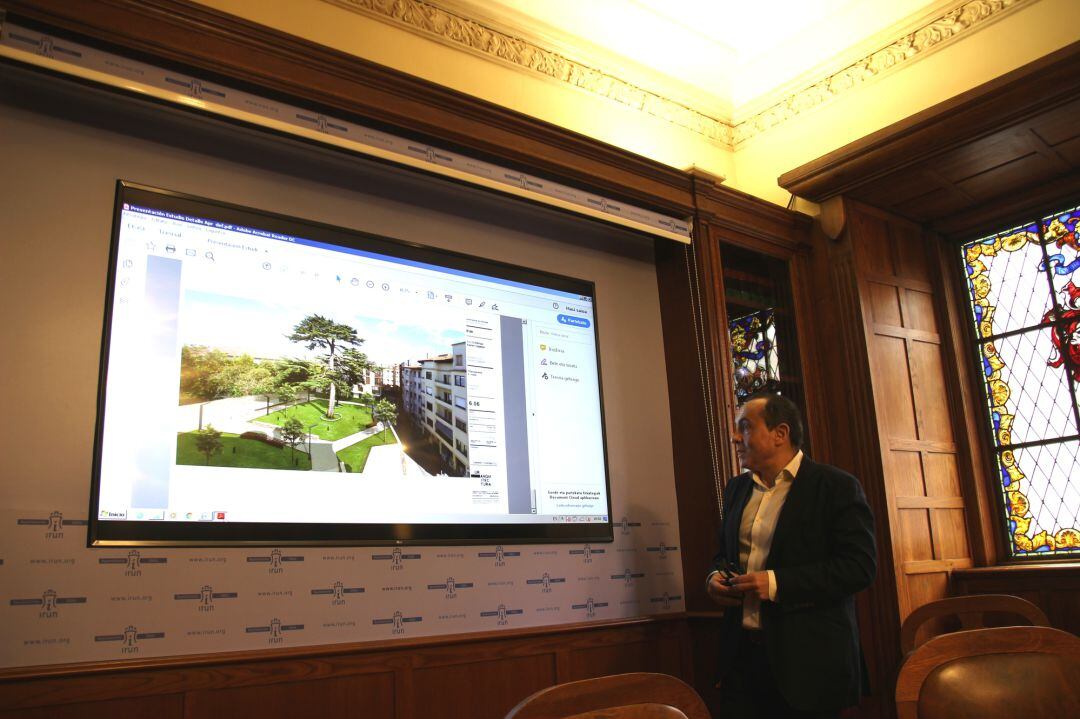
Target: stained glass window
(1024,290)
(754,354)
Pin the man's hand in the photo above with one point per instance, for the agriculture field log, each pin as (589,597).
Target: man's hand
(721,593)
(756,584)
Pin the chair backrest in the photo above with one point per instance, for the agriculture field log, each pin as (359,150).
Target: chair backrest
(972,611)
(639,695)
(999,672)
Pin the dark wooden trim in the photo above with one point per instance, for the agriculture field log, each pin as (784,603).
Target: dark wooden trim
(808,334)
(1047,82)
(194,36)
(691,417)
(748,221)
(973,453)
(717,345)
(1029,570)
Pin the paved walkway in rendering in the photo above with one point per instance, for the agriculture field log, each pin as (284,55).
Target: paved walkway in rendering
(340,444)
(323,457)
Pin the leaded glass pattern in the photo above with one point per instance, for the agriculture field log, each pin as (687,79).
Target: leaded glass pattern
(755,356)
(1024,292)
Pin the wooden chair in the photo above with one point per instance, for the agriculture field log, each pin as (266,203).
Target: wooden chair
(999,672)
(622,696)
(972,611)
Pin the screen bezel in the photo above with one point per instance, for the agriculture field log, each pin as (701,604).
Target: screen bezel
(171,533)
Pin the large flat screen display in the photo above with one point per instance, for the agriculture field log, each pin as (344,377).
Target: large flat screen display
(273,380)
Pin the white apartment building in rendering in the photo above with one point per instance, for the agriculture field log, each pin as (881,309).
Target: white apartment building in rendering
(434,394)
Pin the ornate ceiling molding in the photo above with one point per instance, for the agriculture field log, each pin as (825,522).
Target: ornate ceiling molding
(462,33)
(449,28)
(930,36)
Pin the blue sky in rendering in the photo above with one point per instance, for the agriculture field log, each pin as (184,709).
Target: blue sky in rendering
(392,332)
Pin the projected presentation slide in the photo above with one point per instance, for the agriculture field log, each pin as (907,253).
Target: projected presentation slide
(255,375)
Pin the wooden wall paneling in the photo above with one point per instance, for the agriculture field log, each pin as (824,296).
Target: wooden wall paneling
(198,675)
(975,472)
(466,676)
(705,632)
(915,397)
(164,706)
(179,32)
(1053,588)
(854,441)
(359,696)
(486,690)
(663,656)
(981,219)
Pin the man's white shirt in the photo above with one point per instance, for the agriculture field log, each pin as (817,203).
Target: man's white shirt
(756,532)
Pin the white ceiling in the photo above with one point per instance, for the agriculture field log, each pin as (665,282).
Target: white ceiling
(720,56)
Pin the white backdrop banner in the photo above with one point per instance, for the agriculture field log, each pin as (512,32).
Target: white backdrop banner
(64,602)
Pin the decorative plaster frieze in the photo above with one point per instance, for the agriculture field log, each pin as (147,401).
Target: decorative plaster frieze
(435,23)
(927,37)
(452,29)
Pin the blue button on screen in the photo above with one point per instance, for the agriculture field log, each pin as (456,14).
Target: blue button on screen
(574,321)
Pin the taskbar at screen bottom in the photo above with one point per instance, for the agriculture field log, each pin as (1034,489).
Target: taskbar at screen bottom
(208,534)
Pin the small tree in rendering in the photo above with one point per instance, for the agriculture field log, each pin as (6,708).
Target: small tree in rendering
(292,432)
(208,441)
(266,387)
(367,400)
(384,411)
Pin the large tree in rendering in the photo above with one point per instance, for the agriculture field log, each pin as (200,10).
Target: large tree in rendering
(333,337)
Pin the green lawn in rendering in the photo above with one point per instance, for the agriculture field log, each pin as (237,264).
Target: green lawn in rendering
(355,456)
(236,452)
(351,418)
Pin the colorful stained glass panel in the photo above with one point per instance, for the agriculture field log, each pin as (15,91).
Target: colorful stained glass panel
(1028,388)
(1024,290)
(755,357)
(1018,296)
(1044,508)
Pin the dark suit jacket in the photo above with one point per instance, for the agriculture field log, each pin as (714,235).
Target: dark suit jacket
(823,552)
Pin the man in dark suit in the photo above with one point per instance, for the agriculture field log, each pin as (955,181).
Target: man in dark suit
(796,544)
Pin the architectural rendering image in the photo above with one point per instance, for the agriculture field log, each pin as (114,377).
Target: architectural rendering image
(306,395)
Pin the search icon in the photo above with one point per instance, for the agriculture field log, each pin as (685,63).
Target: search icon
(209,255)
